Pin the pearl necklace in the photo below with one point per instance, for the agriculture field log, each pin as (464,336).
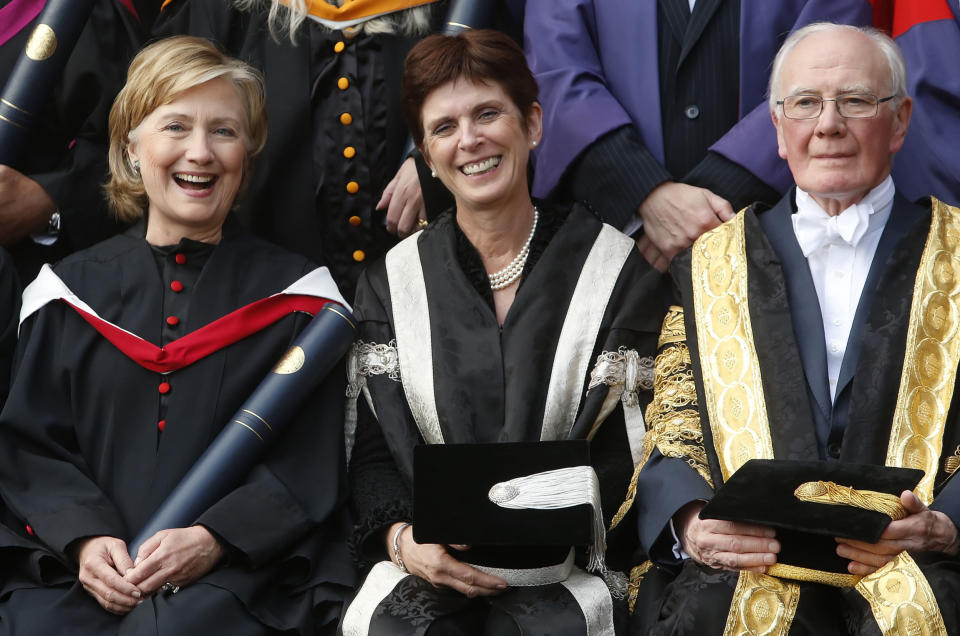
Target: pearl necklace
(511,273)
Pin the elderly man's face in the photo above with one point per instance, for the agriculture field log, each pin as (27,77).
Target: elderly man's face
(836,159)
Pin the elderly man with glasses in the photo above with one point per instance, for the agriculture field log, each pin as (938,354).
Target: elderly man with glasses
(825,330)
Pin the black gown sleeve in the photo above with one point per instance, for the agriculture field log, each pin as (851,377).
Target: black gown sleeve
(677,471)
(379,493)
(9,314)
(46,482)
(615,174)
(299,486)
(731,181)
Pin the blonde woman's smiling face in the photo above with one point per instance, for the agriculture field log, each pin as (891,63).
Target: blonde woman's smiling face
(191,153)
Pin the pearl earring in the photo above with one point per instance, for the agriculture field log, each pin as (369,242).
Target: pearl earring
(433,173)
(533,144)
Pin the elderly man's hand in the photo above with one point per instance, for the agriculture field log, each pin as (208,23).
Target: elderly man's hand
(102,561)
(923,530)
(432,562)
(403,200)
(725,545)
(25,206)
(179,556)
(674,216)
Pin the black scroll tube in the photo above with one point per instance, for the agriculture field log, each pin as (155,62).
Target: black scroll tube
(244,440)
(37,71)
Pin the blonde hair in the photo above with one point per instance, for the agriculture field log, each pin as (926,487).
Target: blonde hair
(281,18)
(157,75)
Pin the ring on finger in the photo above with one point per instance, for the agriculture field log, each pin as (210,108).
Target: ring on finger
(169,589)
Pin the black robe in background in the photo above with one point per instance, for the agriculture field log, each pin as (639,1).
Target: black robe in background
(9,312)
(67,148)
(81,452)
(490,384)
(298,196)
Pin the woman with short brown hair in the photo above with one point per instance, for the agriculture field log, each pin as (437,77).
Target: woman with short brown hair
(484,328)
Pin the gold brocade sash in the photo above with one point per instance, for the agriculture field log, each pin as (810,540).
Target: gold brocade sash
(933,349)
(898,592)
(728,355)
(732,386)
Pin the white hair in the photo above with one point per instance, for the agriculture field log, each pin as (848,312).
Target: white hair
(281,18)
(889,48)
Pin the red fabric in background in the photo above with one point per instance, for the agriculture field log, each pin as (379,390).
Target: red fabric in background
(897,16)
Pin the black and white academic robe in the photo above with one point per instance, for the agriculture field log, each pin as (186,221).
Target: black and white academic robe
(91,443)
(804,424)
(430,338)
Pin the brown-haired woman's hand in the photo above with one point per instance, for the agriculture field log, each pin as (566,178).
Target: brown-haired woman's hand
(102,561)
(433,562)
(403,200)
(179,557)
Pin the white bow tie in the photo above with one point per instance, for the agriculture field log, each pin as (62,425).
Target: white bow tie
(815,230)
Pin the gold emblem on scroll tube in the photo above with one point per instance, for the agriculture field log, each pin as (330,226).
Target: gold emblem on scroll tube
(42,43)
(291,362)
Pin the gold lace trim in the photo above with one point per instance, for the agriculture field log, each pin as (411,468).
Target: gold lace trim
(901,599)
(762,604)
(672,329)
(636,578)
(672,415)
(950,464)
(828,492)
(933,349)
(672,426)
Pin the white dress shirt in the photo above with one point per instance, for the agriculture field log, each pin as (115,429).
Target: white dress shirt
(840,251)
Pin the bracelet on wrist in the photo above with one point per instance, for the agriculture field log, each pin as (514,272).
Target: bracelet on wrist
(396,546)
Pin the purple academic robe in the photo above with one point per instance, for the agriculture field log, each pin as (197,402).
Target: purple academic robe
(927,163)
(596,64)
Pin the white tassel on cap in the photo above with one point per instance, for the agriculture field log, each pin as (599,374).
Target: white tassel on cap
(560,488)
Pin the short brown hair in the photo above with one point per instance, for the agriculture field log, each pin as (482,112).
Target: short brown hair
(481,56)
(157,75)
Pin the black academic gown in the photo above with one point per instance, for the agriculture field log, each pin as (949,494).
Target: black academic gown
(67,148)
(298,196)
(491,385)
(9,312)
(805,425)
(82,453)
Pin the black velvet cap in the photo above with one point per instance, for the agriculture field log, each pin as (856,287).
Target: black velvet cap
(762,492)
(451,503)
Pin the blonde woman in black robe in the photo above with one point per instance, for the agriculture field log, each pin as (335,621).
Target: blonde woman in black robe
(122,382)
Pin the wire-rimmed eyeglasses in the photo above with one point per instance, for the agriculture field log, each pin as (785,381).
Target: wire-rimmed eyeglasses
(849,105)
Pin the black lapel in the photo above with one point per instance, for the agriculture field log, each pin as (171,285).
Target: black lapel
(792,427)
(677,15)
(873,391)
(703,12)
(902,216)
(804,305)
